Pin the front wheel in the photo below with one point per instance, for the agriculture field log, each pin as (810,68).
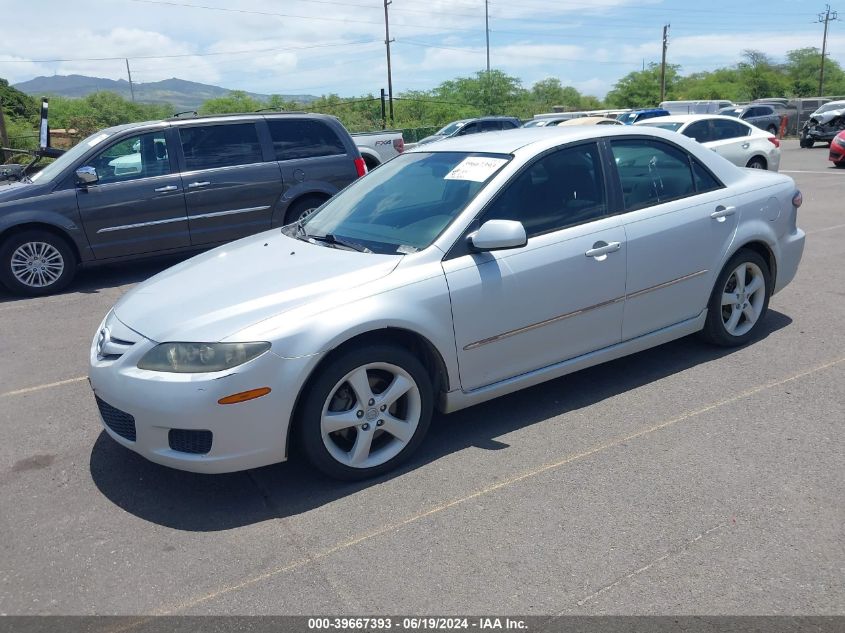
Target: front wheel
(366,412)
(739,300)
(772,130)
(805,142)
(36,263)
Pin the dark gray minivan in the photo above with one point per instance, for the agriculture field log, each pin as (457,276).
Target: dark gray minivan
(166,186)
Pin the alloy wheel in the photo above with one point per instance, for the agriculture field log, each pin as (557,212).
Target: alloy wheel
(37,264)
(743,298)
(370,415)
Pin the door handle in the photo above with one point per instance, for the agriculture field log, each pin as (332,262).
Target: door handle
(722,212)
(746,145)
(166,189)
(601,249)
(195,185)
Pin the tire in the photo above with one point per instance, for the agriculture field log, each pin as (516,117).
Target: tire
(772,130)
(302,208)
(805,142)
(840,164)
(367,440)
(371,163)
(36,263)
(734,324)
(756,163)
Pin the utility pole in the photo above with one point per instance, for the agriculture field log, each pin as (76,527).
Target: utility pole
(387,42)
(131,88)
(825,17)
(4,138)
(663,62)
(487,31)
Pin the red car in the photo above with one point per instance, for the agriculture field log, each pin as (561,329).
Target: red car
(837,149)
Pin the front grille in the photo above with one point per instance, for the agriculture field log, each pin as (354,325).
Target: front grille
(187,441)
(118,421)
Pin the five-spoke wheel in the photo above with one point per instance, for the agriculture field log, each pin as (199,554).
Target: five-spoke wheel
(366,411)
(739,300)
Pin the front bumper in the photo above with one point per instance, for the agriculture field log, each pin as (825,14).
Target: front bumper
(837,153)
(245,435)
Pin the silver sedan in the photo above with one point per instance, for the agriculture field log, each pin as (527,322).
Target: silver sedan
(453,274)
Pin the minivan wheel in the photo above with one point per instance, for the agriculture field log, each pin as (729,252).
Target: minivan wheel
(366,412)
(36,263)
(302,208)
(739,300)
(756,163)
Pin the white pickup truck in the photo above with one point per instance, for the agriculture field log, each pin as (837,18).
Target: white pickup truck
(378,147)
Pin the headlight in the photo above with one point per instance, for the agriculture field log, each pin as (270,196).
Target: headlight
(195,358)
(839,141)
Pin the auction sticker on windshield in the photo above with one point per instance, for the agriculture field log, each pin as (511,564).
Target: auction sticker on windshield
(475,168)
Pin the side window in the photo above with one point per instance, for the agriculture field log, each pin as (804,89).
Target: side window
(140,156)
(723,130)
(508,125)
(491,126)
(651,172)
(469,128)
(700,131)
(211,146)
(303,138)
(704,180)
(559,190)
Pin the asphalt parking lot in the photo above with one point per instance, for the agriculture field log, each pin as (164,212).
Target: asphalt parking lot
(681,480)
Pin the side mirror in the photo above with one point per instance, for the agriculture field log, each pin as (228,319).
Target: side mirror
(86,176)
(497,235)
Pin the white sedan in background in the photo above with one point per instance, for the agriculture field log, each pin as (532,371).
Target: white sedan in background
(742,144)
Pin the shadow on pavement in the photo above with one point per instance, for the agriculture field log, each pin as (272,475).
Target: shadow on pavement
(189,501)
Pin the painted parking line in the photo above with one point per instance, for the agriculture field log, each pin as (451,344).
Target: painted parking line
(49,385)
(392,527)
(799,171)
(829,228)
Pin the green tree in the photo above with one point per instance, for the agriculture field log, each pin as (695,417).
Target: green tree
(548,93)
(761,76)
(803,66)
(641,88)
(234,102)
(16,104)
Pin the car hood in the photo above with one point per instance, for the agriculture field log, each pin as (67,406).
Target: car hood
(214,295)
(18,190)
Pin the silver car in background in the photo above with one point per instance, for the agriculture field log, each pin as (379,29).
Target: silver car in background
(451,275)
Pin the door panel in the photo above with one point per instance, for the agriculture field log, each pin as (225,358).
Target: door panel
(230,191)
(519,310)
(137,206)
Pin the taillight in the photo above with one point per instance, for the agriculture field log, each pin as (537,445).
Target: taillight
(774,141)
(797,199)
(360,167)
(399,144)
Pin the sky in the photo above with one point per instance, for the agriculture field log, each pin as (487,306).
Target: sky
(337,46)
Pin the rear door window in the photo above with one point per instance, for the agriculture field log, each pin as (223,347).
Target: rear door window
(212,146)
(651,172)
(700,131)
(723,130)
(491,126)
(303,138)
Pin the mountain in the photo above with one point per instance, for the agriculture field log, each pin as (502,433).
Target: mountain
(181,94)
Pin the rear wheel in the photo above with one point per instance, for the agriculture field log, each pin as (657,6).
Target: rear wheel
(739,300)
(756,163)
(772,130)
(302,208)
(36,263)
(805,142)
(366,412)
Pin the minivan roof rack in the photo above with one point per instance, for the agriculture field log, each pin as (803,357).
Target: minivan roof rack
(179,114)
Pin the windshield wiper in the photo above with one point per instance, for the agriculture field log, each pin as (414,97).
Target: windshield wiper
(330,238)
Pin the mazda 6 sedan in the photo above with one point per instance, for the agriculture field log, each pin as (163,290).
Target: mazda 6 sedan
(451,275)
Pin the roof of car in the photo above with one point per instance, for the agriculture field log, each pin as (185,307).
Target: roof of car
(684,118)
(211,117)
(510,141)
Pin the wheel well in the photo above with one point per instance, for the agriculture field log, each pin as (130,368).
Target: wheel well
(760,158)
(371,162)
(418,345)
(39,226)
(313,195)
(763,250)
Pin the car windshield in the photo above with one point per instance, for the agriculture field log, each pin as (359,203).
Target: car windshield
(402,206)
(55,168)
(628,117)
(449,129)
(663,125)
(735,112)
(833,105)
(536,123)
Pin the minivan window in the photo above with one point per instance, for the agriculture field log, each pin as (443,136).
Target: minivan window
(69,157)
(134,157)
(303,138)
(212,146)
